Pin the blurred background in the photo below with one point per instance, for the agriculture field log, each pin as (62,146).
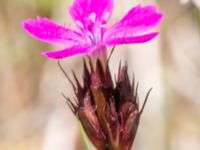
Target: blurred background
(34,115)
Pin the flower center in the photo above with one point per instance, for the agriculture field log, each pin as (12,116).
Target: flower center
(94,29)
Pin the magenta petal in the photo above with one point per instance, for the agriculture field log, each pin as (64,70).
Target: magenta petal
(76,50)
(50,32)
(137,21)
(131,39)
(87,12)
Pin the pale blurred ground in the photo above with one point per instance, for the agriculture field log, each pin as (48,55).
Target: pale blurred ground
(34,115)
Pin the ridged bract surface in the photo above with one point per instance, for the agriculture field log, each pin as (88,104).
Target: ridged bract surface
(108,111)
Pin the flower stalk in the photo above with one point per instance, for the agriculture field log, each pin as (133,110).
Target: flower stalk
(101,54)
(85,138)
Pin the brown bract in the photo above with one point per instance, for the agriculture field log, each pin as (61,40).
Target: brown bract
(108,111)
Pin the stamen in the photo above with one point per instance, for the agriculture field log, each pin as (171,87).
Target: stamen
(79,24)
(92,17)
(106,16)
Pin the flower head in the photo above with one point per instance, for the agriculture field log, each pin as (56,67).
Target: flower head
(91,17)
(108,111)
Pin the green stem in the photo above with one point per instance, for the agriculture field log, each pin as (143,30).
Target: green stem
(84,136)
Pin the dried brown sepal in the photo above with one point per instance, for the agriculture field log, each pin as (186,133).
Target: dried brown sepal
(108,111)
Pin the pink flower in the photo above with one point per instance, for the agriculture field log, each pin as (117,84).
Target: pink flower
(91,17)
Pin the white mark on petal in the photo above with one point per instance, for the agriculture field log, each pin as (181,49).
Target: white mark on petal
(106,16)
(92,17)
(103,25)
(79,24)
